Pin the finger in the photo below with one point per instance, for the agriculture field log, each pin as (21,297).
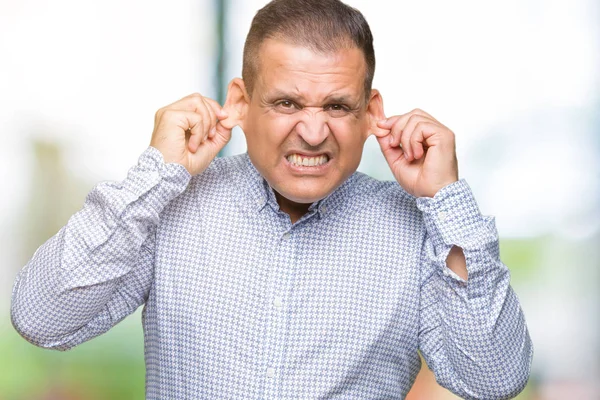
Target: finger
(408,142)
(418,111)
(196,128)
(403,118)
(202,108)
(396,134)
(216,107)
(194,102)
(391,154)
(212,121)
(219,114)
(226,121)
(222,134)
(389,122)
(407,133)
(187,103)
(396,125)
(188,122)
(417,139)
(379,132)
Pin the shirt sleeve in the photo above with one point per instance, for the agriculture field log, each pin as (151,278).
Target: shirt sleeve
(472,333)
(99,267)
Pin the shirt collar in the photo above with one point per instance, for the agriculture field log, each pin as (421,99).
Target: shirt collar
(260,193)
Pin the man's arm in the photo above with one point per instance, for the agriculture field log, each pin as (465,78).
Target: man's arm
(473,333)
(99,267)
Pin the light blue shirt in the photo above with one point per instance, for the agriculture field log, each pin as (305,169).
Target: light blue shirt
(239,303)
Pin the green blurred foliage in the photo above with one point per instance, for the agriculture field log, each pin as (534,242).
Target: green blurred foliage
(523,257)
(111,366)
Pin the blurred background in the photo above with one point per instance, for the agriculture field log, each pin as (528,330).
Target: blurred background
(516,80)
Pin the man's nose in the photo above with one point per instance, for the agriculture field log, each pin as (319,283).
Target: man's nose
(313,127)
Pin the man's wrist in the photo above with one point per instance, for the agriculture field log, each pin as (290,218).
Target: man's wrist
(156,181)
(451,215)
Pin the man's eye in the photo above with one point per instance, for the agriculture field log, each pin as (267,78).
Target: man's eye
(285,104)
(337,108)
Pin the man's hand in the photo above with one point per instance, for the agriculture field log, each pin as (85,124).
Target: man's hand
(191,132)
(422,155)
(426,161)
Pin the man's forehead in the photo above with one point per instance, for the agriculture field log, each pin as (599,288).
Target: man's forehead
(288,70)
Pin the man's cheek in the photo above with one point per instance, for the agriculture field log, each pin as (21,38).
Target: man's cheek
(280,128)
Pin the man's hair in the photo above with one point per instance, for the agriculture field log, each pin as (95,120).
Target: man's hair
(324,26)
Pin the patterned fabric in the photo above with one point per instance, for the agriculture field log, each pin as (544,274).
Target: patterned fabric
(239,303)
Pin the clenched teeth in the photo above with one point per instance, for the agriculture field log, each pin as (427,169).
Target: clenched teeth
(307,161)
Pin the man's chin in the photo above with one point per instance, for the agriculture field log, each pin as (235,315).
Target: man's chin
(303,196)
(301,199)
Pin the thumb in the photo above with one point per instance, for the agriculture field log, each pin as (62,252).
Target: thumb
(219,111)
(223,132)
(379,132)
(387,123)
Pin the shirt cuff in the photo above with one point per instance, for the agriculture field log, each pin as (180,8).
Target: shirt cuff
(452,218)
(155,181)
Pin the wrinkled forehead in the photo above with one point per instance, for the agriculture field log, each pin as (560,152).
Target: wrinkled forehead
(313,75)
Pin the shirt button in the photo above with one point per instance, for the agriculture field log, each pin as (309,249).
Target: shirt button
(270,372)
(277,302)
(286,235)
(442,215)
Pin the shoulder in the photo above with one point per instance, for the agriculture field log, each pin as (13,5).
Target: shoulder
(220,183)
(382,209)
(223,169)
(367,191)
(222,173)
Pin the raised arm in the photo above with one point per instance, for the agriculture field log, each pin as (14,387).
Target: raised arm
(472,332)
(99,267)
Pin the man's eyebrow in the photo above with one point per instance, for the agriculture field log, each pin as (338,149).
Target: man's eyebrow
(340,99)
(280,94)
(334,98)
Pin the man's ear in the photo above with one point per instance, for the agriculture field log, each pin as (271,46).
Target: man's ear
(236,104)
(375,114)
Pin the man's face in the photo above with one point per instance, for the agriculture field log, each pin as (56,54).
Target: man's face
(306,123)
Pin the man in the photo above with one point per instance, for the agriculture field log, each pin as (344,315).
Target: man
(283,272)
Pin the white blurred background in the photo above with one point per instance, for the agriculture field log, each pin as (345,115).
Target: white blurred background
(517,81)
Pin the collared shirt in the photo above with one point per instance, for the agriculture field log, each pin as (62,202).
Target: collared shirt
(239,303)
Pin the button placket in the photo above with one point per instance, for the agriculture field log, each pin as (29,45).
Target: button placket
(279,285)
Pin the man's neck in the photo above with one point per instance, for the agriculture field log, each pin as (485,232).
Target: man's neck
(293,209)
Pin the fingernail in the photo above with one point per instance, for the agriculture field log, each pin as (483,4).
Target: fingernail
(391,140)
(406,156)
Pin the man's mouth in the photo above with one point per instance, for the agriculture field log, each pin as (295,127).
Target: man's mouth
(306,161)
